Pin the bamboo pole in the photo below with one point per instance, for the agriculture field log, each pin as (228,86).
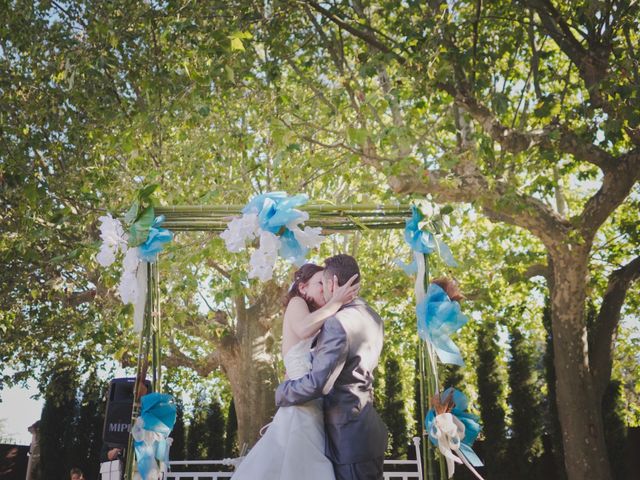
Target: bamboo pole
(141,370)
(332,218)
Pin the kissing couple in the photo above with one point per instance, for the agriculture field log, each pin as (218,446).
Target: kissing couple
(326,427)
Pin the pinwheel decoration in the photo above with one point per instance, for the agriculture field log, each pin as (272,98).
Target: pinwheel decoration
(150,434)
(453,430)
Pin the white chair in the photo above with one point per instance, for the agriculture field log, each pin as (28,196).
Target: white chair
(407,469)
(414,467)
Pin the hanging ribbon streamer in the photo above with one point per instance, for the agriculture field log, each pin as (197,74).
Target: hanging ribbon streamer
(453,430)
(150,433)
(421,269)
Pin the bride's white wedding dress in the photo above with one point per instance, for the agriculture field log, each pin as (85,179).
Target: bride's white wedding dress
(293,446)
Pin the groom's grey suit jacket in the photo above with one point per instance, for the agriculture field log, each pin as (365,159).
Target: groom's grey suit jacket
(346,353)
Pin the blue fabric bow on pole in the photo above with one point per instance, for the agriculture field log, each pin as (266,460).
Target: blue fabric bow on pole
(154,243)
(419,240)
(423,241)
(439,317)
(156,420)
(469,420)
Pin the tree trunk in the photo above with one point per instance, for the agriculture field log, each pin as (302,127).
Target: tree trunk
(250,366)
(578,408)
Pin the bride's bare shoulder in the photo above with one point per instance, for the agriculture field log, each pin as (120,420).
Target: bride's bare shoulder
(296,306)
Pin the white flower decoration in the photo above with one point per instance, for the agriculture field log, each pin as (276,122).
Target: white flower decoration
(310,237)
(239,230)
(128,286)
(106,256)
(113,239)
(264,258)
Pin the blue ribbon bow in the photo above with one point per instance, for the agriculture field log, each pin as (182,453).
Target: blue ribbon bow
(470,421)
(419,240)
(439,317)
(423,241)
(158,412)
(275,209)
(154,243)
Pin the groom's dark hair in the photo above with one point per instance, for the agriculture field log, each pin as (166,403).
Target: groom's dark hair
(342,266)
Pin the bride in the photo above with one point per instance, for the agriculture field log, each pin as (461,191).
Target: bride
(293,446)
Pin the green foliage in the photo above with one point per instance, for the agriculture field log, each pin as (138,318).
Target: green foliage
(88,426)
(57,439)
(393,411)
(524,446)
(197,432)
(490,400)
(231,433)
(215,423)
(615,429)
(178,434)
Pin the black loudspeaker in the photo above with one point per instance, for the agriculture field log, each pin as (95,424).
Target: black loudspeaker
(117,420)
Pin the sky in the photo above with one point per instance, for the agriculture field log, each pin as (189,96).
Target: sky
(18,411)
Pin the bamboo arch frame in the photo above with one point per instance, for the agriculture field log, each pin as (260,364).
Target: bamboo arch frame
(214,218)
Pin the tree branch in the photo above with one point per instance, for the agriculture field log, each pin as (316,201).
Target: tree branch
(268,304)
(535,270)
(616,185)
(498,201)
(606,329)
(203,367)
(592,61)
(516,141)
(368,37)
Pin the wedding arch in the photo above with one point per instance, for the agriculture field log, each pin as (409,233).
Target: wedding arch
(327,217)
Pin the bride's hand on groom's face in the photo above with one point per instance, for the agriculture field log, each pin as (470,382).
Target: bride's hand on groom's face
(345,293)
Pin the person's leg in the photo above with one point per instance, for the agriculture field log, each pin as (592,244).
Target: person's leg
(344,471)
(369,470)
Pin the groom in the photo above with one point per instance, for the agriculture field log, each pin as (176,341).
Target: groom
(346,353)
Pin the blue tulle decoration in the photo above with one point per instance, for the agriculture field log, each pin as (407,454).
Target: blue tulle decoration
(154,243)
(445,254)
(424,241)
(291,250)
(419,240)
(256,204)
(410,268)
(158,413)
(439,317)
(275,209)
(469,420)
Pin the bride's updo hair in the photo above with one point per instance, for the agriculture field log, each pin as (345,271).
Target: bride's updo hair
(303,275)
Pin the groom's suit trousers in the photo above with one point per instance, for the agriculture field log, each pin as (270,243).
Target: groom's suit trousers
(369,470)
